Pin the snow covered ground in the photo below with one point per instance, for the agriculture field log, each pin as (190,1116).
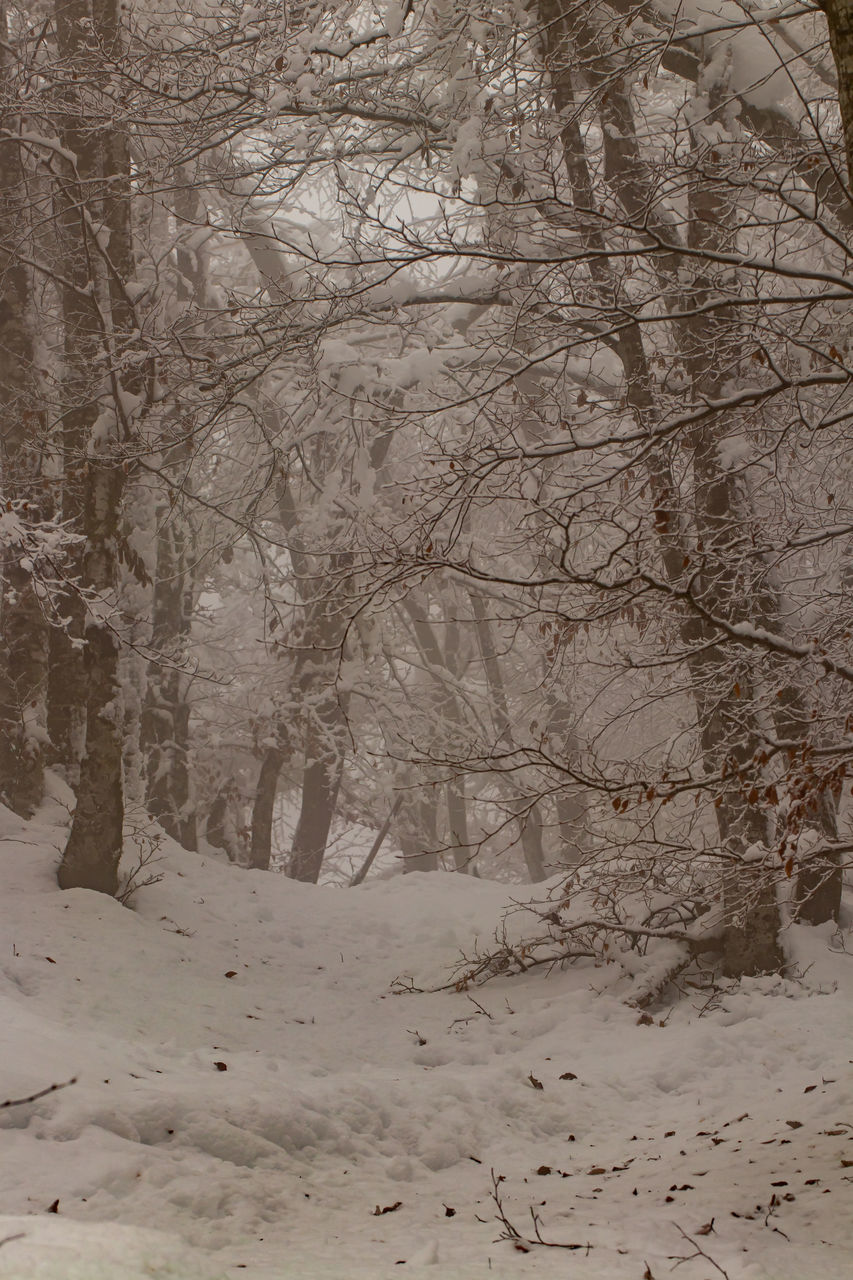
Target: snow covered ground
(252,1100)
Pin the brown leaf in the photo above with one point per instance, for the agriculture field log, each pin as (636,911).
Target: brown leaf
(537,1084)
(389,1208)
(221,1066)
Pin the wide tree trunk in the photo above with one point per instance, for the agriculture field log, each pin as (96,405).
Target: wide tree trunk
(263,808)
(839,17)
(418,834)
(24,645)
(75,188)
(325,742)
(94,847)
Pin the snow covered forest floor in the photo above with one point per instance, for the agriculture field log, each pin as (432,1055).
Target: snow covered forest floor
(251,1099)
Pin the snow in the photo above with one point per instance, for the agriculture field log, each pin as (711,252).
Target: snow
(339,1097)
(725,29)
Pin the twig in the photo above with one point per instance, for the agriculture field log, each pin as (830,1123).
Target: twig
(510,1231)
(481,1013)
(34,1097)
(700,1253)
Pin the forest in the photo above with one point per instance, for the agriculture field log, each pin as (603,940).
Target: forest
(426,639)
(432,421)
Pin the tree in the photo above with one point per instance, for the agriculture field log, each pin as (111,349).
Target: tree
(23,609)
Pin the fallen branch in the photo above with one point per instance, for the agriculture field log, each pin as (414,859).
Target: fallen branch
(34,1097)
(700,1253)
(510,1232)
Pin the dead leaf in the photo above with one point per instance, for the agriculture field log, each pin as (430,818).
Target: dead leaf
(537,1084)
(389,1208)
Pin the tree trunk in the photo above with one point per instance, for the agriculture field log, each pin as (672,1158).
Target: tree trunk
(459,845)
(94,846)
(74,190)
(726,583)
(263,809)
(839,17)
(530,822)
(24,646)
(166,714)
(321,781)
(751,938)
(165,731)
(418,836)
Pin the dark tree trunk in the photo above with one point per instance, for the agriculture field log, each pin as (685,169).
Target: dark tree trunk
(24,645)
(264,808)
(75,189)
(321,780)
(839,17)
(94,847)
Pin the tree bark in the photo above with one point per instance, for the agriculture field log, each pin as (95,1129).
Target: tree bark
(24,646)
(839,18)
(75,189)
(94,847)
(263,809)
(165,730)
(751,940)
(530,821)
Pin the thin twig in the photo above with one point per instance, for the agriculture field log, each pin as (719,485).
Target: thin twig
(510,1231)
(700,1253)
(34,1097)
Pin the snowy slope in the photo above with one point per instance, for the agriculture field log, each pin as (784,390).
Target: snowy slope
(338,1098)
